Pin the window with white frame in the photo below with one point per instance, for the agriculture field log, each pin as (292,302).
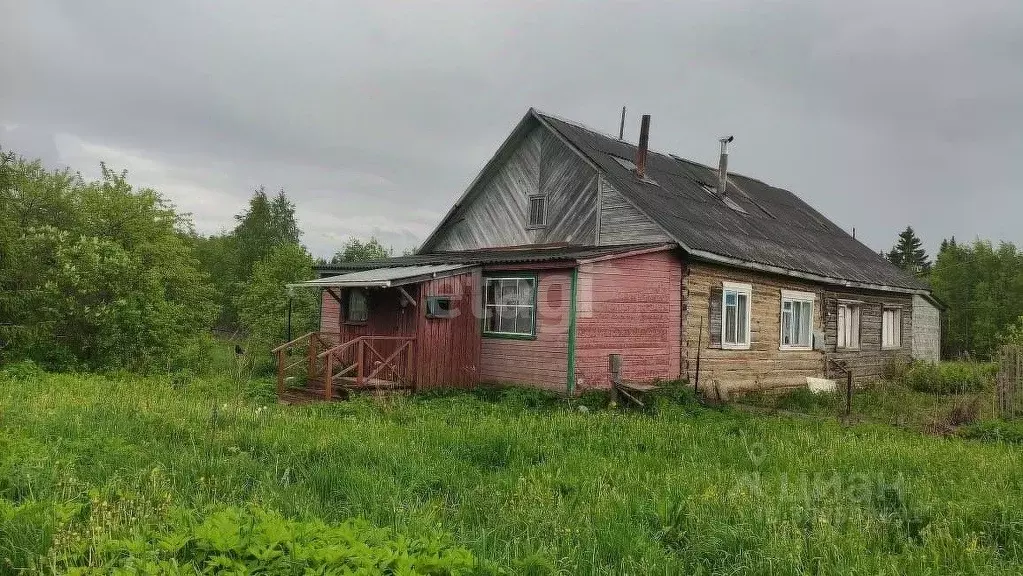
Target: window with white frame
(848,325)
(510,306)
(735,314)
(537,211)
(796,320)
(891,328)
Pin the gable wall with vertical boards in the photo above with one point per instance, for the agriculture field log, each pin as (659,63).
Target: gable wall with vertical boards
(496,211)
(621,222)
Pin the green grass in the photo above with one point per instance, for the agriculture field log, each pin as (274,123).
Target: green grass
(884,402)
(526,485)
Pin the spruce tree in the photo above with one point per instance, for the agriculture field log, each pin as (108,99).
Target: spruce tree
(909,254)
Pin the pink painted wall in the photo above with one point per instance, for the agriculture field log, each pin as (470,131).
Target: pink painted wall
(630,306)
(541,362)
(330,313)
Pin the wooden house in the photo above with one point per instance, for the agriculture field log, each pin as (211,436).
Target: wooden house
(571,245)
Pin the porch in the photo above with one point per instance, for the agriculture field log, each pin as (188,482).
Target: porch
(385,329)
(319,365)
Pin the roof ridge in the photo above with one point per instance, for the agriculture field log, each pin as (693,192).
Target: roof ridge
(668,155)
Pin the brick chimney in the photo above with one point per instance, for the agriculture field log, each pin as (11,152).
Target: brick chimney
(644,138)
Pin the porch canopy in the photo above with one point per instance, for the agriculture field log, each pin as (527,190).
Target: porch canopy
(384,277)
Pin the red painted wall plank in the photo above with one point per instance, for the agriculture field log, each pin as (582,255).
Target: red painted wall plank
(541,362)
(630,306)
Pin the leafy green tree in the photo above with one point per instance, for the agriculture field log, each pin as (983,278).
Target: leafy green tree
(356,250)
(263,303)
(983,288)
(96,275)
(264,226)
(908,253)
(230,258)
(1014,333)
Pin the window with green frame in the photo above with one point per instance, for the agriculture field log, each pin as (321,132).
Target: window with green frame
(509,306)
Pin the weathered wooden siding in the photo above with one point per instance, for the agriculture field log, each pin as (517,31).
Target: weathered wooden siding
(543,361)
(764,365)
(867,363)
(448,349)
(629,306)
(496,212)
(621,222)
(926,330)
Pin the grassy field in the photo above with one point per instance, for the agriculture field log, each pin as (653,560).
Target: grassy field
(92,467)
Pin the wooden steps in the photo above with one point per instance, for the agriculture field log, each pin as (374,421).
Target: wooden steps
(344,387)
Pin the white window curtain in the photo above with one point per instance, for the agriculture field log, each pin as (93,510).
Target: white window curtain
(891,328)
(735,315)
(848,326)
(796,320)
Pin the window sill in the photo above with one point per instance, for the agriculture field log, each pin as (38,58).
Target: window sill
(846,349)
(735,346)
(796,348)
(499,336)
(353,323)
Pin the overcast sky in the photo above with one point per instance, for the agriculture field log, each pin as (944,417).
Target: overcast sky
(375,116)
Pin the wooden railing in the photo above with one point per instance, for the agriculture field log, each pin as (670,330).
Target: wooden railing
(361,358)
(308,347)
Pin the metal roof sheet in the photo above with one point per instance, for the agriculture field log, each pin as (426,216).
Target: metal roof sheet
(385,277)
(777,230)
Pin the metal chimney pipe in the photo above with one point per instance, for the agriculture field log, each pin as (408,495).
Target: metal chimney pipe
(644,138)
(723,167)
(621,127)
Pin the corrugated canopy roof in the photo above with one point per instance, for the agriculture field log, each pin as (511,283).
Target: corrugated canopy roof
(384,277)
(513,255)
(756,225)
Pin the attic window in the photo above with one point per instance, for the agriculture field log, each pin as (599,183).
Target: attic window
(726,199)
(627,164)
(537,211)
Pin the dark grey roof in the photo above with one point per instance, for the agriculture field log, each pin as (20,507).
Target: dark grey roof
(490,256)
(777,232)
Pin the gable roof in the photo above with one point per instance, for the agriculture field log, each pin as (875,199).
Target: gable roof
(776,232)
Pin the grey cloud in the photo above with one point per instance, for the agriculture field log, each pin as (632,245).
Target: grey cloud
(374,116)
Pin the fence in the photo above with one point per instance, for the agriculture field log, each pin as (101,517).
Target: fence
(1010,381)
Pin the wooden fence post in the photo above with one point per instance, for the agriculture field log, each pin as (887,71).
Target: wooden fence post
(614,362)
(848,390)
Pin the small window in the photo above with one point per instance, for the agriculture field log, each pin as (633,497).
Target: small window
(735,315)
(848,326)
(891,328)
(537,211)
(625,163)
(725,198)
(796,320)
(439,307)
(510,307)
(357,310)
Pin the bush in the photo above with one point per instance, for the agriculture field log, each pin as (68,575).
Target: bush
(255,541)
(995,431)
(950,377)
